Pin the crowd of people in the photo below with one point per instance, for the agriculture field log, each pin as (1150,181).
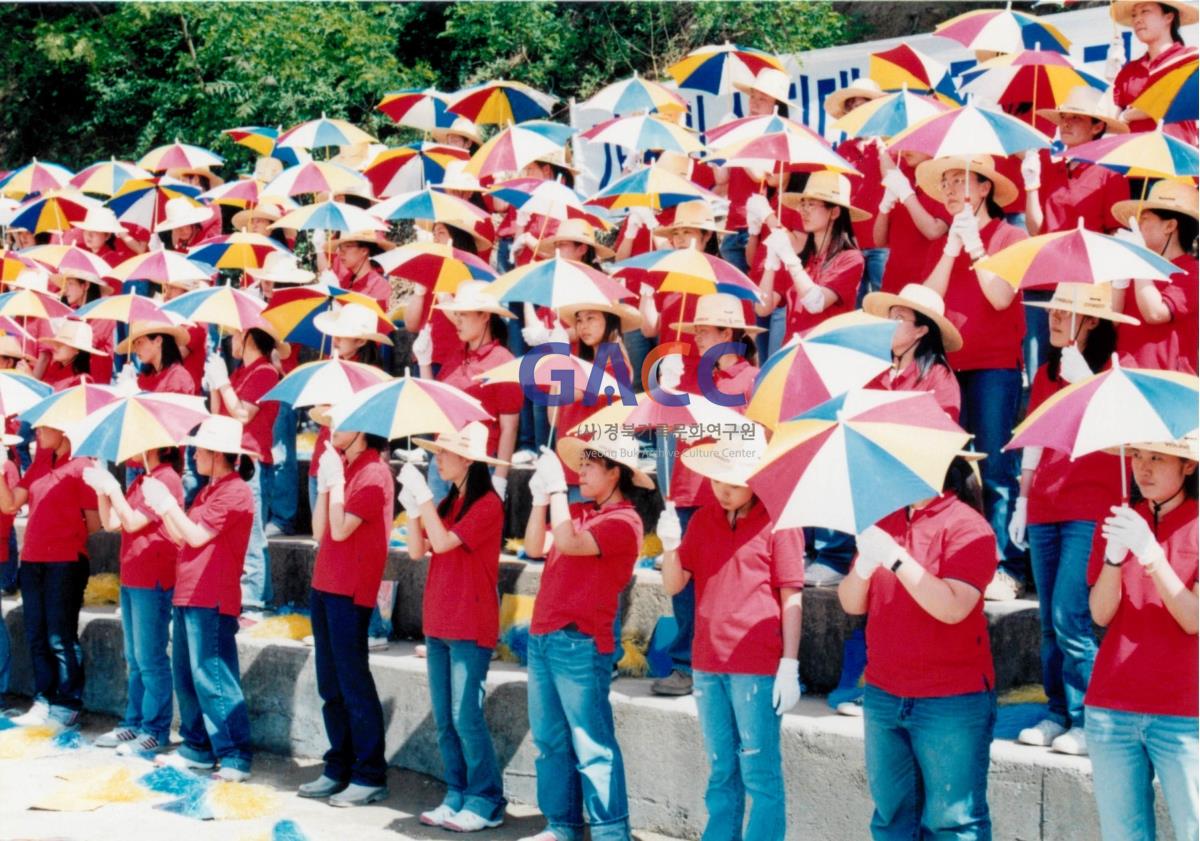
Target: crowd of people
(902,242)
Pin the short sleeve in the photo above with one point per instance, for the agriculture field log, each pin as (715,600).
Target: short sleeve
(693,540)
(787,558)
(842,275)
(1096,558)
(215,511)
(615,536)
(479,523)
(507,398)
(969,555)
(1004,236)
(84,493)
(258,383)
(12,476)
(1175,296)
(366,496)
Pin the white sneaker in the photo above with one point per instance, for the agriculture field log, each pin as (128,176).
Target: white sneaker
(524,457)
(1073,743)
(145,743)
(231,775)
(854,708)
(115,737)
(1041,734)
(358,795)
(438,816)
(468,821)
(544,835)
(35,716)
(182,763)
(378,644)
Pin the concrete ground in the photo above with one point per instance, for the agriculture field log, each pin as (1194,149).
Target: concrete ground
(24,781)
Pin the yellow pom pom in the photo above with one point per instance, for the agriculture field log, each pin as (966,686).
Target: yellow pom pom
(104,588)
(651,546)
(514,545)
(291,626)
(633,661)
(1030,693)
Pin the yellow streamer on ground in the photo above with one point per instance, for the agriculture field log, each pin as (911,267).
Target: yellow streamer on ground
(26,742)
(514,545)
(1030,693)
(103,588)
(292,626)
(241,801)
(87,789)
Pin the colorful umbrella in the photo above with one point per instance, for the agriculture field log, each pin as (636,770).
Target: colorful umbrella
(70,260)
(125,308)
(179,156)
(700,413)
(906,67)
(108,177)
(431,206)
(135,424)
(555,283)
(643,132)
(515,147)
(316,177)
(242,250)
(29,303)
(439,268)
(844,352)
(407,406)
(1075,256)
(715,69)
(655,187)
(500,102)
(20,391)
(293,309)
(318,134)
(889,115)
(1041,77)
(419,108)
(852,460)
(53,211)
(1002,31)
(12,263)
(967,131)
(799,151)
(143,202)
(687,270)
(35,177)
(242,193)
(324,382)
(260,139)
(550,372)
(223,306)
(410,167)
(163,267)
(62,409)
(1172,97)
(548,199)
(1141,154)
(633,95)
(330,216)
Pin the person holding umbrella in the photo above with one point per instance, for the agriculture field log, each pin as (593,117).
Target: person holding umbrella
(461,617)
(80,288)
(919,578)
(213,536)
(182,222)
(157,348)
(748,580)
(72,355)
(357,273)
(909,222)
(147,583)
(982,305)
(1062,499)
(1141,703)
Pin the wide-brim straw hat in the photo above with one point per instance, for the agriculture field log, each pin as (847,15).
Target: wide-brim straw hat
(269,211)
(283,269)
(865,88)
(623,449)
(320,414)
(1094,299)
(1174,196)
(214,180)
(576,230)
(719,309)
(350,321)
(770,82)
(456,177)
(10,346)
(929,177)
(32,279)
(472,297)
(831,188)
(692,214)
(181,212)
(152,328)
(219,434)
(100,220)
(729,460)
(557,158)
(74,334)
(1187,447)
(462,127)
(918,298)
(631,319)
(1086,101)
(470,442)
(1122,11)
(371,239)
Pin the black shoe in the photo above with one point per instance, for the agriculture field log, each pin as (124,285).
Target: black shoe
(817,574)
(677,683)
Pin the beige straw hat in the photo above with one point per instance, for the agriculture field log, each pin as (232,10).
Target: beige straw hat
(831,188)
(1174,196)
(100,220)
(770,82)
(350,321)
(470,442)
(181,212)
(693,214)
(865,88)
(919,298)
(730,460)
(152,328)
(1187,447)
(575,230)
(1085,299)
(281,268)
(471,296)
(720,309)
(1122,11)
(929,177)
(74,334)
(621,448)
(1086,101)
(220,434)
(631,319)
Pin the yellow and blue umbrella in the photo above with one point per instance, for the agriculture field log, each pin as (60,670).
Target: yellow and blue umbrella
(179,156)
(29,303)
(430,205)
(35,177)
(851,461)
(907,67)
(516,146)
(556,283)
(410,167)
(223,306)
(293,309)
(318,134)
(20,391)
(889,115)
(325,382)
(1172,96)
(549,199)
(108,177)
(419,108)
(12,263)
(634,95)
(260,139)
(439,268)
(330,216)
(143,202)
(1042,78)
(645,132)
(654,186)
(1142,154)
(687,270)
(126,308)
(1003,31)
(715,69)
(408,406)
(53,211)
(133,425)
(241,250)
(500,102)
(61,409)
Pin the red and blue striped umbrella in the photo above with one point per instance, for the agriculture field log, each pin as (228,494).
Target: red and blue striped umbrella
(500,102)
(419,108)
(293,309)
(410,167)
(635,95)
(179,156)
(549,199)
(53,211)
(108,177)
(515,147)
(132,425)
(716,69)
(318,134)
(439,268)
(689,271)
(1141,154)
(967,131)
(556,283)
(904,67)
(223,306)
(654,186)
(241,250)
(143,202)
(1172,96)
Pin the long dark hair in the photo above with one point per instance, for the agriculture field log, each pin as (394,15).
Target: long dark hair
(612,333)
(479,482)
(749,346)
(170,354)
(461,239)
(1187,226)
(82,363)
(931,348)
(498,327)
(172,457)
(842,237)
(962,479)
(1174,13)
(994,210)
(1101,343)
(244,464)
(263,341)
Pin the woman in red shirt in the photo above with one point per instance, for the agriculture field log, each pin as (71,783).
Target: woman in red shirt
(147,586)
(351,523)
(1141,704)
(156,346)
(1062,499)
(1157,26)
(80,288)
(461,616)
(357,273)
(71,355)
(212,535)
(930,700)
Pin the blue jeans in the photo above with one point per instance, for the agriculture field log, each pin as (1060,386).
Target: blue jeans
(257,591)
(213,721)
(579,765)
(683,607)
(533,421)
(349,700)
(733,249)
(283,475)
(991,398)
(927,765)
(457,676)
(146,624)
(1059,554)
(5,654)
(872,280)
(741,735)
(11,563)
(1128,751)
(51,597)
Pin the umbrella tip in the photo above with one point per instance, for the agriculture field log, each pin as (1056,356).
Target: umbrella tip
(1116,363)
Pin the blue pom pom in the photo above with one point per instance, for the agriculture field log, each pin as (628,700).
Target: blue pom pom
(517,640)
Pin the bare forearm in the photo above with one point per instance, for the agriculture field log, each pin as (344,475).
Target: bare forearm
(792,620)
(1105,596)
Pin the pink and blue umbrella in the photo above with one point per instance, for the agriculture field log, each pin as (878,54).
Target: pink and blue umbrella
(325,382)
(408,406)
(688,271)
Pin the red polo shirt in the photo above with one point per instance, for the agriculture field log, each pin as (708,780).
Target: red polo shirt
(173,379)
(865,192)
(11,477)
(1074,190)
(914,655)
(1136,75)
(738,189)
(250,383)
(739,571)
(841,275)
(370,283)
(991,337)
(461,600)
(148,554)
(193,361)
(497,398)
(1146,662)
(938,380)
(210,575)
(1063,489)
(910,255)
(354,566)
(583,590)
(1172,345)
(58,497)
(102,339)
(442,332)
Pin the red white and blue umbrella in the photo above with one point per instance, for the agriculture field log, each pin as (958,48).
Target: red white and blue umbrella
(515,147)
(715,69)
(967,131)
(419,108)
(635,95)
(500,102)
(135,424)
(1003,31)
(318,134)
(325,382)
(555,283)
(407,406)
(179,156)
(108,177)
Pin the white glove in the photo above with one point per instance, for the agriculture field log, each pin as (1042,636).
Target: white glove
(550,471)
(757,211)
(523,241)
(318,239)
(1135,232)
(156,496)
(415,483)
(1116,57)
(330,470)
(781,245)
(1031,170)
(558,334)
(813,300)
(534,332)
(876,548)
(1073,366)
(668,529)
(1127,528)
(786,692)
(967,227)
(888,203)
(500,486)
(645,290)
(216,375)
(537,489)
(328,278)
(100,480)
(409,504)
(422,346)
(1017,525)
(126,381)
(156,243)
(1031,457)
(522,219)
(639,218)
(771,262)
(670,373)
(898,183)
(954,244)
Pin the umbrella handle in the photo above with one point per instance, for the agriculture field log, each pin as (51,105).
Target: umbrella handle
(1124,480)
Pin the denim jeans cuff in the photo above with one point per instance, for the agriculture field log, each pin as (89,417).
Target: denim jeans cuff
(196,755)
(237,763)
(490,809)
(454,800)
(566,831)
